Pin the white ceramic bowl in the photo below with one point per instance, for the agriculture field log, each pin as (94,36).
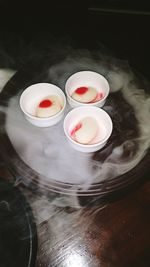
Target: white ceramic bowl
(31,97)
(88,79)
(104,122)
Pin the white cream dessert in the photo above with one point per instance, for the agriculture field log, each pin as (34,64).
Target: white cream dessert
(85,131)
(49,106)
(85,94)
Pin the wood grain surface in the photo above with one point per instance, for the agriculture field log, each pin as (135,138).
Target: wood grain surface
(79,231)
(116,234)
(108,234)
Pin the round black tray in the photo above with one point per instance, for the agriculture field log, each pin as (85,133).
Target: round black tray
(38,71)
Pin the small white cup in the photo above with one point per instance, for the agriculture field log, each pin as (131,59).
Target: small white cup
(88,79)
(104,122)
(31,97)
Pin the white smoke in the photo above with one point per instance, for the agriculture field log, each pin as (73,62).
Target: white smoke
(5,76)
(47,152)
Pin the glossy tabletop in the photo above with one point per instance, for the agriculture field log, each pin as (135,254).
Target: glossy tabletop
(90,232)
(108,226)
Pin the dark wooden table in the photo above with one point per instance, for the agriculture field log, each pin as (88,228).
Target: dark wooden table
(86,231)
(115,234)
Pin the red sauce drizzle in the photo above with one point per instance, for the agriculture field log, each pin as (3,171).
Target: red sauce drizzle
(81,90)
(76,128)
(45,103)
(98,97)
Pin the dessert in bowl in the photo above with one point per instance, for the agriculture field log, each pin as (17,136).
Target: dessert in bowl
(87,128)
(86,88)
(43,104)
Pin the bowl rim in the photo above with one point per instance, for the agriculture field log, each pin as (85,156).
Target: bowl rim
(88,145)
(87,104)
(44,118)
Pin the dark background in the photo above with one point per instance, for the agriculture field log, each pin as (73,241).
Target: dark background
(122,26)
